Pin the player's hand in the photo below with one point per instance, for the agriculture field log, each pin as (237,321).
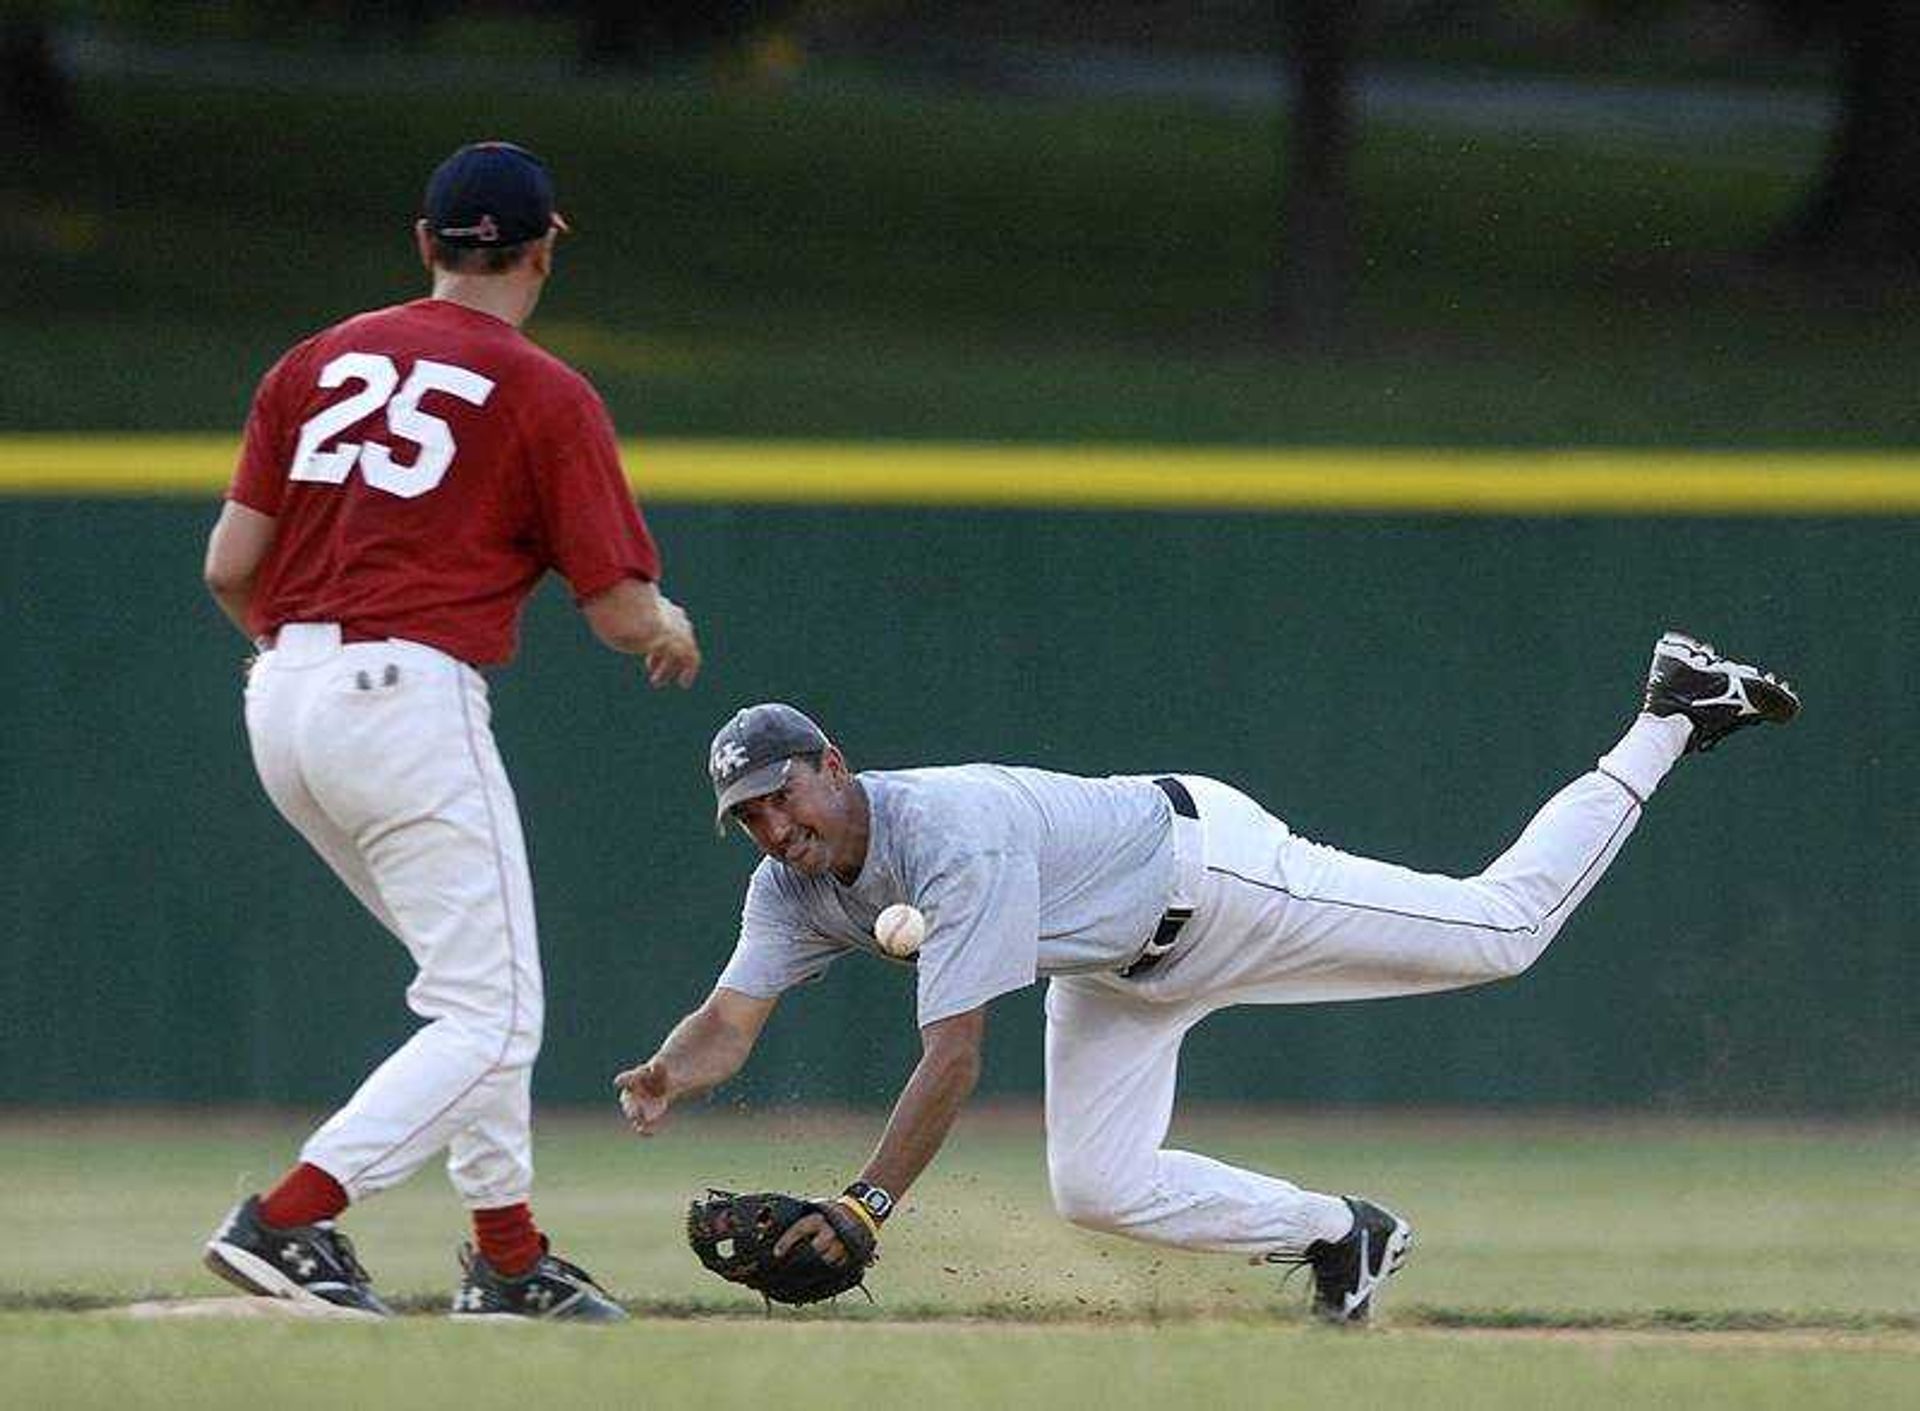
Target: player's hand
(674,658)
(644,1096)
(815,1229)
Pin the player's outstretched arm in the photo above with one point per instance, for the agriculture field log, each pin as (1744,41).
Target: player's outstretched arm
(637,618)
(235,549)
(704,1050)
(942,1082)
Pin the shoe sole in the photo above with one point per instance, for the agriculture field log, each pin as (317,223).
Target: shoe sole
(1399,1246)
(251,1274)
(1772,699)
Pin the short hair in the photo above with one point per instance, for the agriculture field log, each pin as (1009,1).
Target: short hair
(478,259)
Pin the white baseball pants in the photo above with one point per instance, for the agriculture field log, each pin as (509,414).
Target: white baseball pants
(1282,920)
(381,755)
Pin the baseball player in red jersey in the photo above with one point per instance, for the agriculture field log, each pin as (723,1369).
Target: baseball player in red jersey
(408,476)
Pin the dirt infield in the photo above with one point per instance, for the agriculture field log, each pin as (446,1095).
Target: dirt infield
(1413,1324)
(252,1309)
(1728,1340)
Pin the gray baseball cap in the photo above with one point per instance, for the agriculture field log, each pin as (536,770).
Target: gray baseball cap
(753,753)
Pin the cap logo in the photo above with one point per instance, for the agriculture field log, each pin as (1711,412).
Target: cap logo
(729,758)
(487,230)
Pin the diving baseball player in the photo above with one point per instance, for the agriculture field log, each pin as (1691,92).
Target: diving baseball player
(1149,903)
(408,476)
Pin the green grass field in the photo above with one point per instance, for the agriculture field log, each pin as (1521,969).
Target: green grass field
(1582,1261)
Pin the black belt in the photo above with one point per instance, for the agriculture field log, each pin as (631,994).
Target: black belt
(1168,931)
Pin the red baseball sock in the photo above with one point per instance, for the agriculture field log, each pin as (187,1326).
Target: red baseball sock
(305,1196)
(508,1238)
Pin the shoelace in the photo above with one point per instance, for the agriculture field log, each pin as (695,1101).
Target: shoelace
(575,1272)
(349,1260)
(1292,1263)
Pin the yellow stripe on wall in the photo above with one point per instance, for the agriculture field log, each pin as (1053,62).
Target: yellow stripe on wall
(920,473)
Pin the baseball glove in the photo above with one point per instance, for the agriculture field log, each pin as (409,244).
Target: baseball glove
(734,1236)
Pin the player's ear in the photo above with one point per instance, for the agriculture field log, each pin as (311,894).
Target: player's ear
(541,257)
(833,764)
(423,243)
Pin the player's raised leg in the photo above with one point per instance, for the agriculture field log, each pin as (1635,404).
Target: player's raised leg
(1319,924)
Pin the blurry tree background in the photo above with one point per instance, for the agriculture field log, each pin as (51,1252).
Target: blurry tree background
(1281,217)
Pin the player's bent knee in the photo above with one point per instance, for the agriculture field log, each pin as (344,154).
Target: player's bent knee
(1512,940)
(1084,1213)
(1507,958)
(1089,1202)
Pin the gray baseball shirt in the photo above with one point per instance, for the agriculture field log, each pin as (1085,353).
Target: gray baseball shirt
(1020,873)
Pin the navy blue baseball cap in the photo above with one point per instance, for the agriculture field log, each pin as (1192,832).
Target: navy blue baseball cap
(490,194)
(753,753)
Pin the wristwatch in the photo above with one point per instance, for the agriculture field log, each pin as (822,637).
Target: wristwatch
(871,1198)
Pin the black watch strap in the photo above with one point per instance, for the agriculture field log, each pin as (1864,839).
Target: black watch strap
(873,1200)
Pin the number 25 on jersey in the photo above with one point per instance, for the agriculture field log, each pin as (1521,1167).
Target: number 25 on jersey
(378,377)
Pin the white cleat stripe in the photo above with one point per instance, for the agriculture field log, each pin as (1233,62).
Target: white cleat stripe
(1398,1240)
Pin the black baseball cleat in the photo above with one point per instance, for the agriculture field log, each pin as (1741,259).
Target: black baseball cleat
(1348,1272)
(552,1289)
(307,1263)
(1719,696)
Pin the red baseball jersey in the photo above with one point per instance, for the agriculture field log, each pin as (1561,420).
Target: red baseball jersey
(426,464)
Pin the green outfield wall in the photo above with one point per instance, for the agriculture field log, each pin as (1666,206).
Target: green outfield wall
(1406,677)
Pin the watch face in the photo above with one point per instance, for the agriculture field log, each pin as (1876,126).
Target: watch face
(876,1200)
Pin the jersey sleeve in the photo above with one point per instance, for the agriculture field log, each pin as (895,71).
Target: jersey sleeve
(777,948)
(260,479)
(983,931)
(595,534)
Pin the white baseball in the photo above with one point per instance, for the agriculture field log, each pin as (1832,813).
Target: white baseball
(900,929)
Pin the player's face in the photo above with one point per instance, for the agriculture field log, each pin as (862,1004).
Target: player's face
(815,823)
